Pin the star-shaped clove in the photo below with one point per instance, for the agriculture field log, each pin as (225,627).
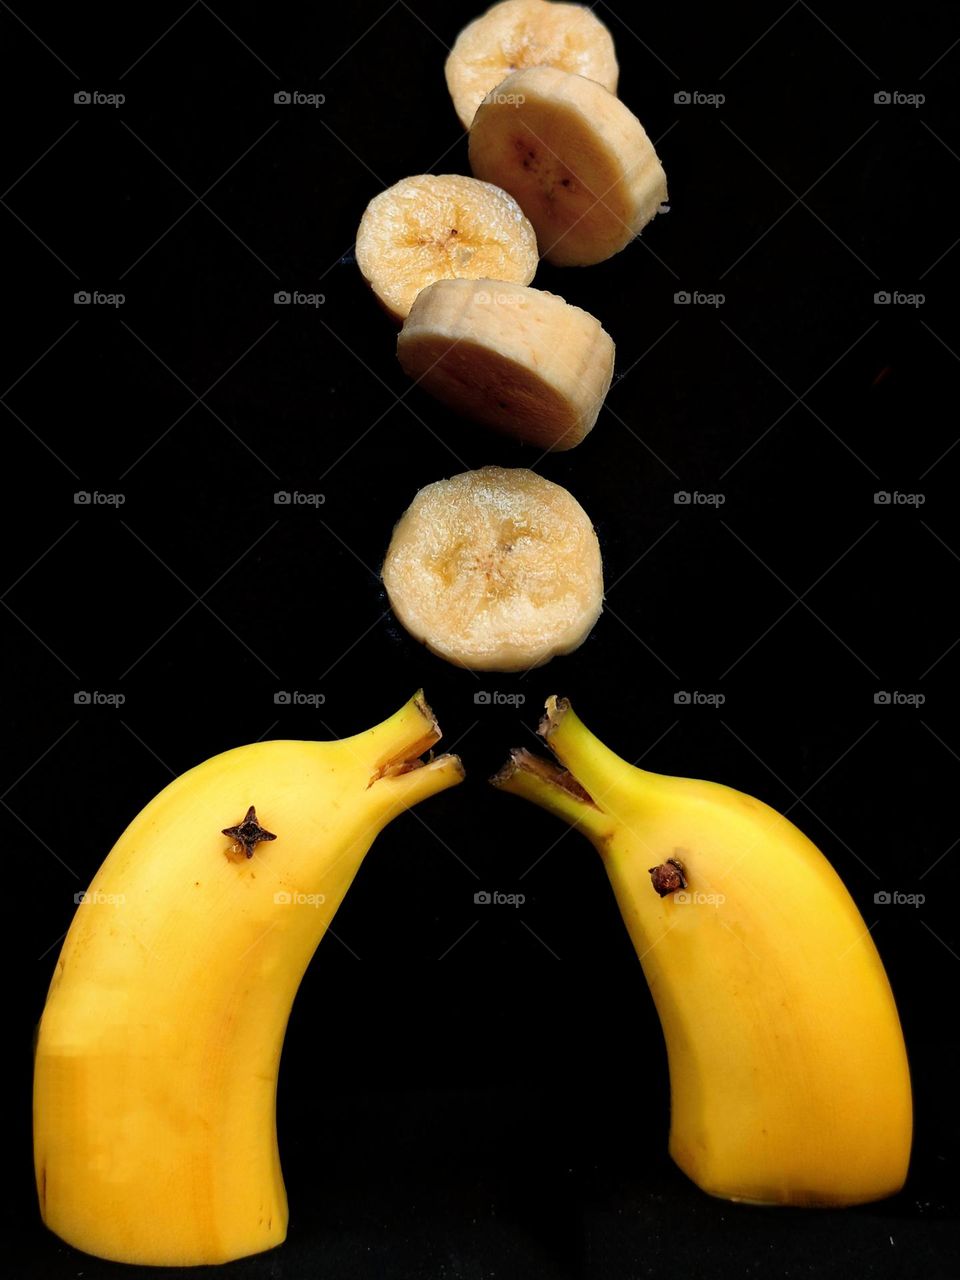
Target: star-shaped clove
(246,835)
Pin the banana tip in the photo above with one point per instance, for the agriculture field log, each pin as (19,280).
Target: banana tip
(556,709)
(420,702)
(509,767)
(542,771)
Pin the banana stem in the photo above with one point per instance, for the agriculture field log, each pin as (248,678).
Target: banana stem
(403,789)
(605,775)
(396,743)
(553,789)
(398,778)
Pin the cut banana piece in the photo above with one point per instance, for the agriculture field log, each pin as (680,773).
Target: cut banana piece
(496,570)
(578,161)
(519,360)
(526,33)
(437,228)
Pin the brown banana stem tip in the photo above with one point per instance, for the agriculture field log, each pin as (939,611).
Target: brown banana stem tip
(557,708)
(522,760)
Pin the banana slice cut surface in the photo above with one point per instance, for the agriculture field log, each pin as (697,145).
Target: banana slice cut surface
(526,33)
(520,360)
(442,227)
(577,160)
(496,570)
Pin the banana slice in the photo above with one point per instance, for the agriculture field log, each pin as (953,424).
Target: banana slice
(519,360)
(578,161)
(496,570)
(526,33)
(437,228)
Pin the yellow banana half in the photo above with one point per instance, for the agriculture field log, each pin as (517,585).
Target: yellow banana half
(158,1050)
(788,1072)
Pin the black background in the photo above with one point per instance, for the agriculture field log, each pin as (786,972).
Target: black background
(474,1091)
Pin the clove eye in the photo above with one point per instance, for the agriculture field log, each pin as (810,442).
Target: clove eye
(246,835)
(669,877)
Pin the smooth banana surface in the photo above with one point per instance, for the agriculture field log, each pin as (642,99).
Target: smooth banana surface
(526,33)
(577,160)
(431,228)
(496,570)
(788,1072)
(157,1054)
(519,360)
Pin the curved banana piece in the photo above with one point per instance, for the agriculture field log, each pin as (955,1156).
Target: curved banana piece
(788,1073)
(527,33)
(441,228)
(157,1054)
(519,360)
(575,158)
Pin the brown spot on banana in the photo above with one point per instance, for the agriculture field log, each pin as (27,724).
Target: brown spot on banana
(669,877)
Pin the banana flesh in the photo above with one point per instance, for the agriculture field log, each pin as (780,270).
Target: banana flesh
(519,360)
(577,160)
(431,228)
(526,33)
(496,570)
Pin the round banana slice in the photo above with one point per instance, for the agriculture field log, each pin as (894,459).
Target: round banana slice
(578,161)
(496,570)
(520,360)
(437,228)
(527,33)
